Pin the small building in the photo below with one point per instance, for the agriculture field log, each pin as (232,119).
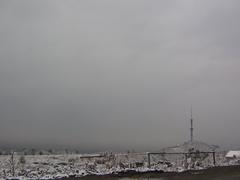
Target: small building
(233,154)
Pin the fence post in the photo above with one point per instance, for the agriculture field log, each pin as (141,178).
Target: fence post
(185,162)
(148,158)
(214,159)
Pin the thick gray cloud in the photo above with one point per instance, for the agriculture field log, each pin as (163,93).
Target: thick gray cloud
(119,74)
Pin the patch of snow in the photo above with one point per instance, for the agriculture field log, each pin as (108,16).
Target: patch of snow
(233,154)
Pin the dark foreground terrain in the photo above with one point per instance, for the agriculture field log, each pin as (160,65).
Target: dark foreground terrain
(215,173)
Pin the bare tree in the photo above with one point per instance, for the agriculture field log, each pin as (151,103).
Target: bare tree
(12,163)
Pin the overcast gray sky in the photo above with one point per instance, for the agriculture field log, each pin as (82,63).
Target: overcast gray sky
(119,74)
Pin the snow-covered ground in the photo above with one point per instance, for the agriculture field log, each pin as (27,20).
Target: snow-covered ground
(56,166)
(65,165)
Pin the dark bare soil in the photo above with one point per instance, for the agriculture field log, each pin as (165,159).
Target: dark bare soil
(214,173)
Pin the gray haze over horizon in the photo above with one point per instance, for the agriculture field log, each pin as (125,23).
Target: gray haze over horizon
(119,74)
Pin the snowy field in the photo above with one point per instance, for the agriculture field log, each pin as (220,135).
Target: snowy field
(57,166)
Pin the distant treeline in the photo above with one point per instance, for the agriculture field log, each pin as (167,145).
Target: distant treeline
(33,151)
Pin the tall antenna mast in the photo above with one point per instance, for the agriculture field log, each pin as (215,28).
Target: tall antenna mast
(191,129)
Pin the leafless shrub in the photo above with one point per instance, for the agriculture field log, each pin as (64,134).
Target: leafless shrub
(22,162)
(12,163)
(72,161)
(91,167)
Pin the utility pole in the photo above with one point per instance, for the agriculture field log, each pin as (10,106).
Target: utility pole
(191,129)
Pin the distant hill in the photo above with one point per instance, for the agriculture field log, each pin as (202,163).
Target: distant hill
(195,145)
